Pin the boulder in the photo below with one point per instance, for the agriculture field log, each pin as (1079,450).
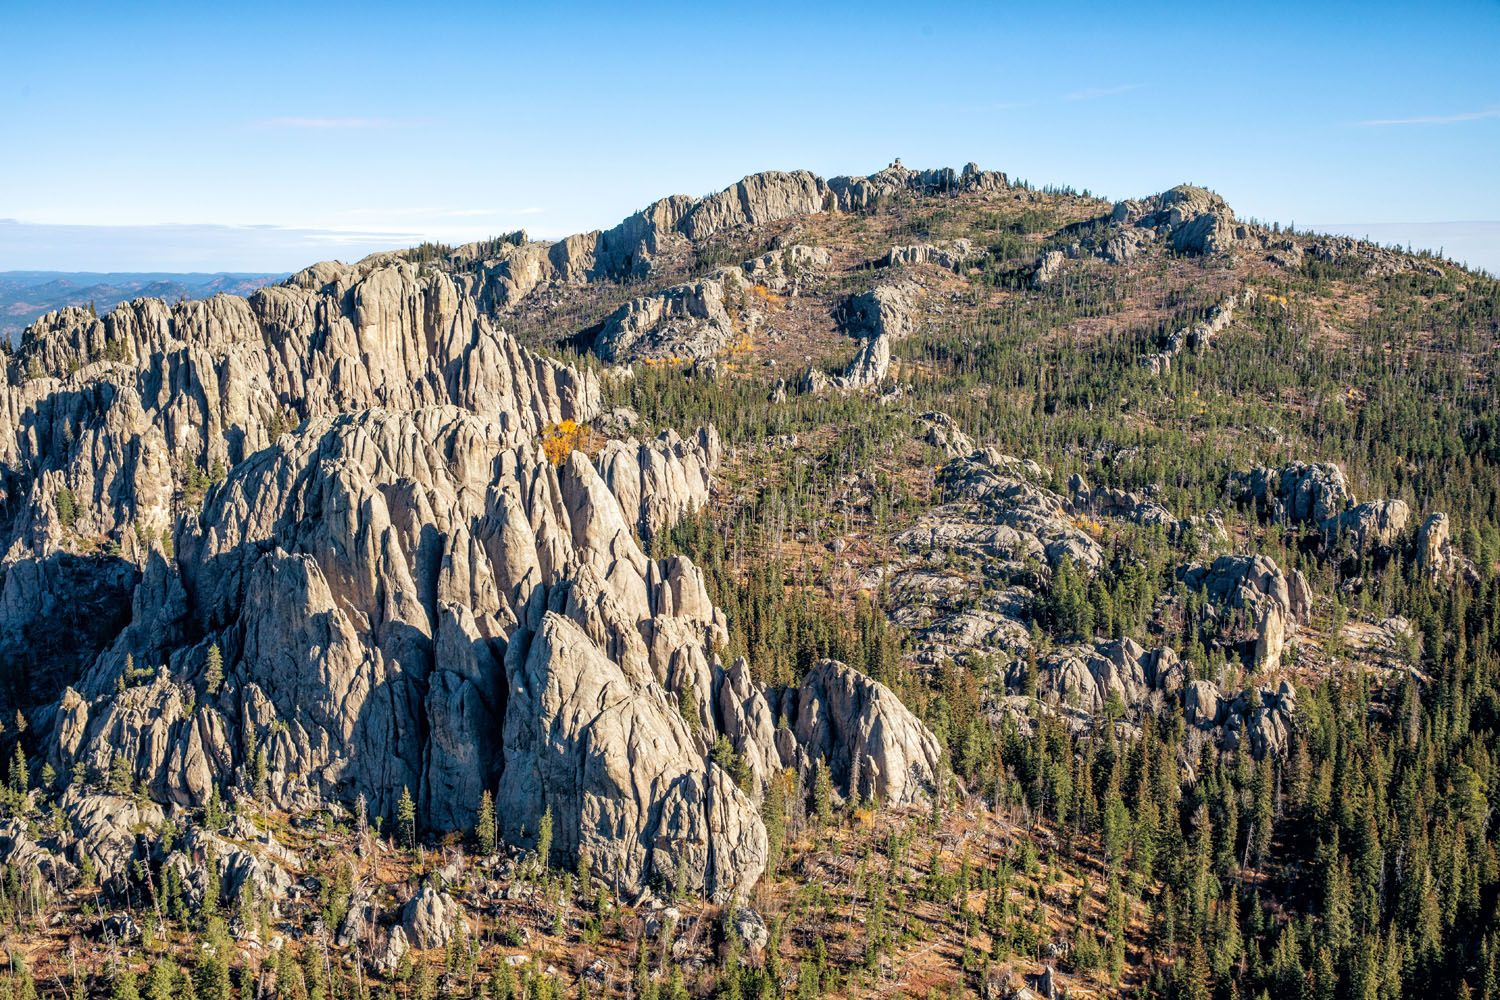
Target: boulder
(431,919)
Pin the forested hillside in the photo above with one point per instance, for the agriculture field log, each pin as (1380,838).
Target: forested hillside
(922,584)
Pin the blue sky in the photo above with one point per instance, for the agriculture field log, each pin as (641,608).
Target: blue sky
(335,129)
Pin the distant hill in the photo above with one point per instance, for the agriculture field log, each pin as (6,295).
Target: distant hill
(25,295)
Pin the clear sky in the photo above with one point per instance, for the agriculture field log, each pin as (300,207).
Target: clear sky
(335,129)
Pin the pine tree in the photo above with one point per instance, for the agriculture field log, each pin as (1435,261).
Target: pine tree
(406,819)
(822,793)
(19,775)
(124,986)
(213,674)
(161,981)
(121,774)
(773,814)
(544,839)
(484,824)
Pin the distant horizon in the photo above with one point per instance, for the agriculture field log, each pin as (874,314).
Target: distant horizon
(213,249)
(151,144)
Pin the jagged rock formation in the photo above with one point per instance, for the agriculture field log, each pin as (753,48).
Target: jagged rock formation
(1253,603)
(1264,715)
(873,746)
(876,317)
(408,586)
(1087,677)
(98,450)
(683,323)
(1369,527)
(1373,259)
(885,310)
(622,773)
(657,483)
(1297,493)
(866,370)
(942,432)
(785,269)
(106,829)
(743,713)
(361,579)
(507,270)
(949,622)
(1101,501)
(1318,495)
(431,919)
(1046,269)
(697,320)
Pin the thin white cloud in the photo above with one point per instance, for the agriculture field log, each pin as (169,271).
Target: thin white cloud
(298,122)
(428,213)
(1094,93)
(1463,116)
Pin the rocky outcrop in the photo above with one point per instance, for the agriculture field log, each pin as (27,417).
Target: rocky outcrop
(1191,219)
(1198,336)
(873,746)
(686,322)
(995,509)
(1102,501)
(107,830)
(431,919)
(950,257)
(1263,715)
(1297,493)
(1047,268)
(866,370)
(876,317)
(885,311)
(1252,603)
(1437,557)
(361,580)
(1369,527)
(625,778)
(954,617)
(1318,496)
(744,716)
(786,270)
(1370,259)
(1088,677)
(942,432)
(853,194)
